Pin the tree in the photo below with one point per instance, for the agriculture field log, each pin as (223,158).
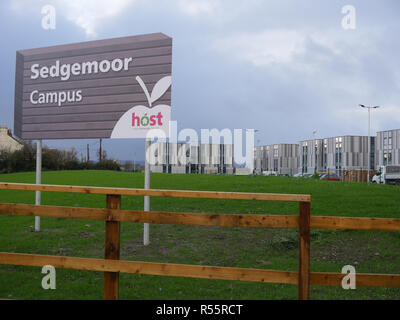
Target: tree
(103,155)
(128,166)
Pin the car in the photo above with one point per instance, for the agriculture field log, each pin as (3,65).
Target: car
(307,175)
(330,177)
(269,173)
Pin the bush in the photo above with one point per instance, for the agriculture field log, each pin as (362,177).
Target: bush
(52,159)
(20,160)
(107,165)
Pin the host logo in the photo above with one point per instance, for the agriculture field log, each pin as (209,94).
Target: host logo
(146,120)
(139,120)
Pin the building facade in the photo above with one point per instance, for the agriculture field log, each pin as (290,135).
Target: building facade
(335,154)
(388,147)
(7,142)
(331,155)
(170,157)
(277,158)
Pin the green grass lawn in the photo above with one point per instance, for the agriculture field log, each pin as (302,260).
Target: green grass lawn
(368,251)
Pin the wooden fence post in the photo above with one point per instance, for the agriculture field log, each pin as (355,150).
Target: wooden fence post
(111,279)
(304,251)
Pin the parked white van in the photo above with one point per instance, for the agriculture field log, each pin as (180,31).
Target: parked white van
(389,174)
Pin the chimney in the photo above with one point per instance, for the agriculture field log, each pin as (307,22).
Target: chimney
(5,130)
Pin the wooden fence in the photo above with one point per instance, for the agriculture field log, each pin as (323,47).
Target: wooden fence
(357,175)
(113,215)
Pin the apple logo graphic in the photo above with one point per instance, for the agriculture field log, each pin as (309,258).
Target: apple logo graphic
(138,120)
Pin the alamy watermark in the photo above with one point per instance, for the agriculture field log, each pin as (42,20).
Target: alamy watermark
(349,20)
(238,143)
(49,280)
(49,17)
(349,280)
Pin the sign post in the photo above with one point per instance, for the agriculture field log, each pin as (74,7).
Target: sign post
(146,230)
(38,194)
(114,88)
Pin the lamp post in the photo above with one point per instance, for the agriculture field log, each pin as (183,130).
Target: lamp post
(258,152)
(369,135)
(255,131)
(258,141)
(315,146)
(255,148)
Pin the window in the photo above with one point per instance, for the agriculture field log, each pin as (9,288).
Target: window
(393,169)
(325,154)
(275,151)
(275,165)
(372,154)
(316,156)
(304,157)
(338,152)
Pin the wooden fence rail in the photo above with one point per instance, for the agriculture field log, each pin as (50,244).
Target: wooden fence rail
(195,271)
(113,215)
(158,193)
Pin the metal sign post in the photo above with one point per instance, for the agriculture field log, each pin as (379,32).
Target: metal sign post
(38,179)
(146,230)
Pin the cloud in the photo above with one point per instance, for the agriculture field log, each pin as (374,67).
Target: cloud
(300,49)
(89,14)
(195,7)
(386,118)
(263,48)
(86,14)
(354,120)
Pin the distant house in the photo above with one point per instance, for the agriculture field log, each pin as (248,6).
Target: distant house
(7,142)
(336,154)
(388,147)
(279,158)
(184,158)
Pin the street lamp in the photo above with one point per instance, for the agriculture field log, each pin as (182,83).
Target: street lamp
(369,136)
(258,140)
(255,131)
(255,147)
(315,148)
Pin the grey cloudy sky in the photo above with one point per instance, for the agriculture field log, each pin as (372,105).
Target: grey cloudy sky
(283,67)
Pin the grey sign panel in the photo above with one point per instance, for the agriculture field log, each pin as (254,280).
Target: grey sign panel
(83,90)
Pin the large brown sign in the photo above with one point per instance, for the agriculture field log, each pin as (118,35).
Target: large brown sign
(114,88)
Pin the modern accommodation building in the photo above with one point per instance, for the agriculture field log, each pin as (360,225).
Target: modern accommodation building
(332,155)
(388,147)
(191,158)
(336,154)
(277,158)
